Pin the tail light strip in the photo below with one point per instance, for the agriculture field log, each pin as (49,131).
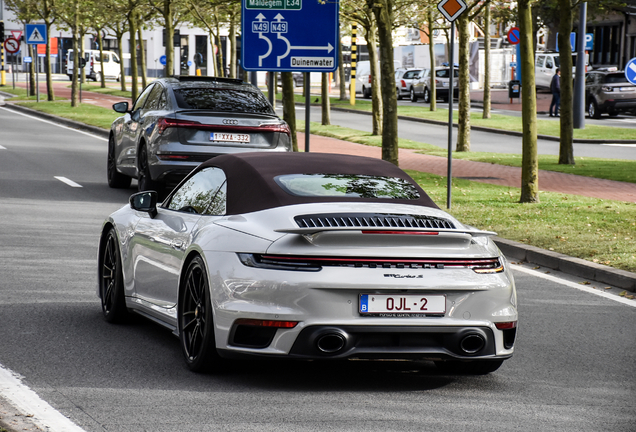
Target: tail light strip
(479,265)
(165,122)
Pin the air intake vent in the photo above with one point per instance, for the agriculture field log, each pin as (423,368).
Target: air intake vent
(371,220)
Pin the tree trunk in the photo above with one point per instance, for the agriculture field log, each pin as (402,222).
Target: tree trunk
(382,9)
(566,151)
(132,31)
(122,68)
(530,163)
(431,53)
(81,56)
(376,93)
(32,69)
(486,108)
(463,109)
(289,106)
(221,53)
(324,87)
(75,82)
(215,65)
(232,36)
(142,54)
(101,58)
(169,26)
(341,72)
(50,94)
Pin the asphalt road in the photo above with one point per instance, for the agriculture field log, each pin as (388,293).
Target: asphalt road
(479,141)
(572,370)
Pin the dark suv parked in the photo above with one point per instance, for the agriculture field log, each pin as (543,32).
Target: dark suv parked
(178,122)
(608,91)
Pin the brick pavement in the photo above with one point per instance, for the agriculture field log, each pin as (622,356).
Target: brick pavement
(410,159)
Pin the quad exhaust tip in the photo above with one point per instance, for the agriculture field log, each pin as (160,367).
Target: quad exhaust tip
(331,343)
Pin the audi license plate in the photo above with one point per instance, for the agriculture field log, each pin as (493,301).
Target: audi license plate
(229,137)
(400,305)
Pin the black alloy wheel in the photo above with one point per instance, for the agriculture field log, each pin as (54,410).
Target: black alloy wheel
(144,180)
(427,95)
(116,179)
(399,95)
(196,326)
(111,280)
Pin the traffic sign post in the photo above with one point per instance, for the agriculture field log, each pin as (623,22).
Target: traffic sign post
(451,9)
(11,45)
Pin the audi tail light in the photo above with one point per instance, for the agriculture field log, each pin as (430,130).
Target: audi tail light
(164,123)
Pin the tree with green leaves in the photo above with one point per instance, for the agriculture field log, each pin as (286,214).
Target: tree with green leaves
(26,12)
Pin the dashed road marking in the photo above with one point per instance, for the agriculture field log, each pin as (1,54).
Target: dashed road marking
(2,148)
(620,145)
(71,183)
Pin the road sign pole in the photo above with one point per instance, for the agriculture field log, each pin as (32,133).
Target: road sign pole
(579,79)
(449,170)
(307,109)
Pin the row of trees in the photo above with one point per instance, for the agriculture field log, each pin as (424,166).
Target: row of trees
(377,19)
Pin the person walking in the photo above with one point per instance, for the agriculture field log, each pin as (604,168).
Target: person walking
(555,88)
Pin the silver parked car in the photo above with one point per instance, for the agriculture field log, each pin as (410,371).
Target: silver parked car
(442,83)
(308,256)
(178,122)
(409,81)
(609,91)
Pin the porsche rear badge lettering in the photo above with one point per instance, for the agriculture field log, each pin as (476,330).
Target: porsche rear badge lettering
(399,276)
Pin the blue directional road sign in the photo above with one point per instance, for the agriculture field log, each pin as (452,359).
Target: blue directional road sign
(36,34)
(630,71)
(290,35)
(163,60)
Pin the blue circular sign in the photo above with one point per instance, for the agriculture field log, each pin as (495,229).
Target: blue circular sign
(630,71)
(189,62)
(163,60)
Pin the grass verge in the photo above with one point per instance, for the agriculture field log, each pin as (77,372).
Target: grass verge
(597,230)
(85,113)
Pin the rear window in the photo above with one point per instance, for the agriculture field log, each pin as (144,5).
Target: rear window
(347,185)
(222,100)
(615,78)
(444,73)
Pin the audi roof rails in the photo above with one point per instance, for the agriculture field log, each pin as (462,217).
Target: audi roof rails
(208,79)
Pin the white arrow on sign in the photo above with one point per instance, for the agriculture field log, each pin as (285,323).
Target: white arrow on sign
(260,17)
(328,48)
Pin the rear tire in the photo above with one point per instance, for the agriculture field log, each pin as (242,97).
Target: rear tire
(116,180)
(366,93)
(427,95)
(397,92)
(474,367)
(196,325)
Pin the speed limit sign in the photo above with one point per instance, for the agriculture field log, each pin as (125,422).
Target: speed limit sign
(12,45)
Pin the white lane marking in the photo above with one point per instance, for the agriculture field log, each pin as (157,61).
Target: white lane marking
(55,124)
(71,183)
(29,403)
(585,288)
(620,145)
(2,148)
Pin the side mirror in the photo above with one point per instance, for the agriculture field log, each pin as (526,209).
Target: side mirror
(121,107)
(145,202)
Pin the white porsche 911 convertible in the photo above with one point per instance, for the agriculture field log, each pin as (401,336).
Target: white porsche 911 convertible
(308,256)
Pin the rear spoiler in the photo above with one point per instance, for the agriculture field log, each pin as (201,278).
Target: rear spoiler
(385,230)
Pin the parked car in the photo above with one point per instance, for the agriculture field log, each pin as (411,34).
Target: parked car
(178,122)
(412,83)
(93,66)
(308,256)
(406,80)
(364,79)
(545,66)
(298,77)
(608,91)
(442,85)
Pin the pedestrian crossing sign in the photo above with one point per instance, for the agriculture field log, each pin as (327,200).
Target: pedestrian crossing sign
(36,34)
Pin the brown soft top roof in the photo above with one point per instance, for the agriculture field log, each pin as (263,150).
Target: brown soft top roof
(251,186)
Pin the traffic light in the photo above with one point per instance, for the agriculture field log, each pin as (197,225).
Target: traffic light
(1,31)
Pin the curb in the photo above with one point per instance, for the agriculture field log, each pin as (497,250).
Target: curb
(519,251)
(567,264)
